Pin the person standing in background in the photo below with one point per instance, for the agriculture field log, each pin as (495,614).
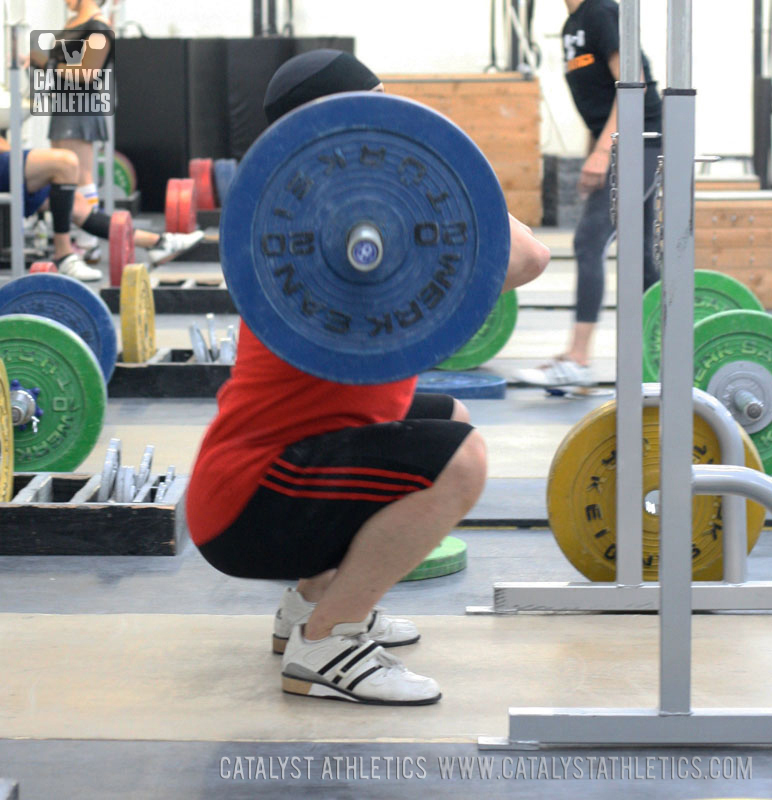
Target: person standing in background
(591,57)
(78,133)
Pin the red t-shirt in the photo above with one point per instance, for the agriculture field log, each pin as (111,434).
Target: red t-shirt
(264,407)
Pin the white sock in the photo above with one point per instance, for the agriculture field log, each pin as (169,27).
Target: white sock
(83,239)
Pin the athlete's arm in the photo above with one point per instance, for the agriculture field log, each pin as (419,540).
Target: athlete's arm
(527,255)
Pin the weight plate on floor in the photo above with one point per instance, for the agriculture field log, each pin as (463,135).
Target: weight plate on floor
(6,438)
(224,173)
(145,466)
(187,208)
(492,336)
(714,292)
(68,301)
(43,266)
(137,315)
(581,497)
(172,207)
(446,559)
(121,245)
(198,343)
(110,469)
(125,485)
(42,353)
(365,238)
(735,336)
(463,385)
(200,170)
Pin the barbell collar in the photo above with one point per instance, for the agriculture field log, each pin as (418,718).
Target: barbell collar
(364,247)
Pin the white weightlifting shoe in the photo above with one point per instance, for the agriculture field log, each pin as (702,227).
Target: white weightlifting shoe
(559,372)
(348,665)
(170,245)
(74,266)
(383,630)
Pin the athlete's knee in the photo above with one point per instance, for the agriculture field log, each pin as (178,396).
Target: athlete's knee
(465,473)
(460,412)
(65,164)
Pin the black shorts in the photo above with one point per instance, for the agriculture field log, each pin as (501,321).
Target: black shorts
(321,490)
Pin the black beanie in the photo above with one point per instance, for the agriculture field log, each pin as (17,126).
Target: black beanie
(312,75)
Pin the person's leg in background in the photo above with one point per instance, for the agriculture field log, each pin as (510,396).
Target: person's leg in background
(161,246)
(591,240)
(58,169)
(84,152)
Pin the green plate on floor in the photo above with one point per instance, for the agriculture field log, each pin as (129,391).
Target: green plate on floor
(494,333)
(446,559)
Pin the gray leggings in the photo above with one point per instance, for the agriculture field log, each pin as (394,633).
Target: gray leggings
(593,235)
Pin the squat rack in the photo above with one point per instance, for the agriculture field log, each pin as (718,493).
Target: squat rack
(674,721)
(629,592)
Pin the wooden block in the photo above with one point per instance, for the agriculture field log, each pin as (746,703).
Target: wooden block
(464,84)
(733,237)
(524,205)
(734,215)
(501,114)
(56,515)
(717,257)
(189,297)
(170,373)
(749,184)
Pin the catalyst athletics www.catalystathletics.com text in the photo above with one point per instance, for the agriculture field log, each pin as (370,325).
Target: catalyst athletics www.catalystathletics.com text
(494,767)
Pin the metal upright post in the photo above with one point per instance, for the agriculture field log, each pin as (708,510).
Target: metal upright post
(675,570)
(630,191)
(674,721)
(109,166)
(16,165)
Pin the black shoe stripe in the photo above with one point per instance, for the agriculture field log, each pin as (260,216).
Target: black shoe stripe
(330,664)
(361,677)
(359,656)
(372,621)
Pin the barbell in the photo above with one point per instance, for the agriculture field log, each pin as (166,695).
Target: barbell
(365,238)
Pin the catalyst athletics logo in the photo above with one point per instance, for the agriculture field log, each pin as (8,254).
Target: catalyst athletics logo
(73,76)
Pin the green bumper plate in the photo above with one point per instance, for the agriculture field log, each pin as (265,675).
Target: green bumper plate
(42,353)
(490,338)
(124,176)
(729,337)
(446,559)
(714,292)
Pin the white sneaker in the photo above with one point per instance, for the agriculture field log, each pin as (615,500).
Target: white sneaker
(172,244)
(383,630)
(74,266)
(348,665)
(93,255)
(559,372)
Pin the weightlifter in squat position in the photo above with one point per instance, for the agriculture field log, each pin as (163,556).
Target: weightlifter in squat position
(345,487)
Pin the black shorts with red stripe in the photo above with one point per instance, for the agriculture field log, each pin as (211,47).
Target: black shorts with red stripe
(317,495)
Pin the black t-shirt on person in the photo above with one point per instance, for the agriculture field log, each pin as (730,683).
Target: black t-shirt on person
(590,37)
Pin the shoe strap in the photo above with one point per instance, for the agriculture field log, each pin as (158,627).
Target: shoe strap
(353,662)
